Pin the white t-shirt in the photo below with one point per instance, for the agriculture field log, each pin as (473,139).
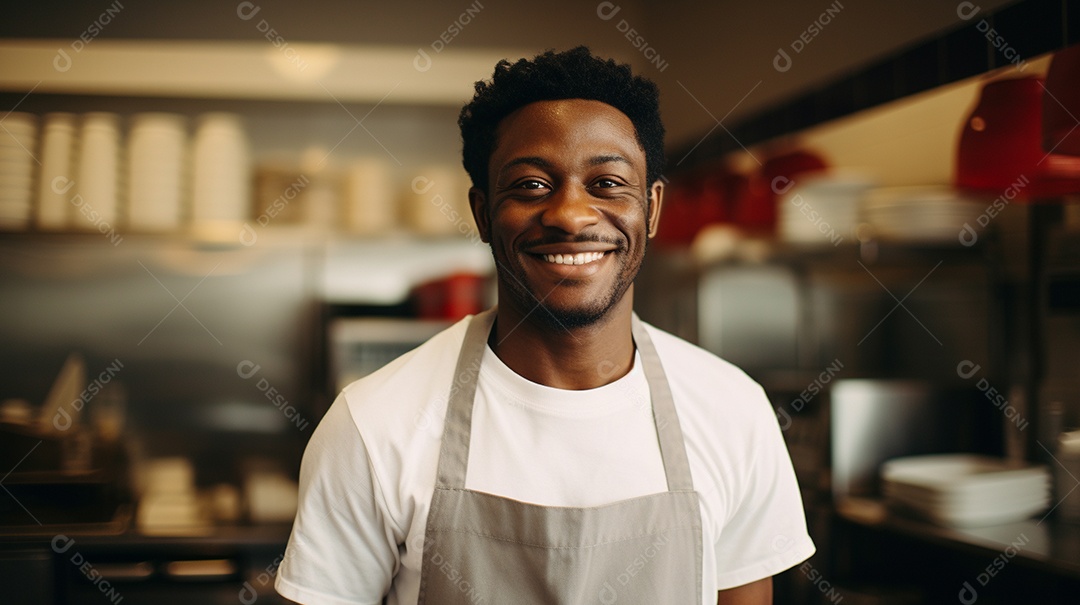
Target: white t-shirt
(369,471)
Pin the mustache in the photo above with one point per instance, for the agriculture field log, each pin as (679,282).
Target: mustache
(618,242)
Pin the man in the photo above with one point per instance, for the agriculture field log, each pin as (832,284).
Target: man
(554,449)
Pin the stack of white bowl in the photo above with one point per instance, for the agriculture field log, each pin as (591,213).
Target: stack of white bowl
(965,490)
(97,182)
(221,189)
(57,171)
(157,148)
(18,140)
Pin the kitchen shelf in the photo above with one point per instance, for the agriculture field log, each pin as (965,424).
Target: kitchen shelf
(879,251)
(383,271)
(353,269)
(113,526)
(97,476)
(143,569)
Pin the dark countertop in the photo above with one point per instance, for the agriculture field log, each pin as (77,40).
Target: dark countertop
(1046,543)
(101,535)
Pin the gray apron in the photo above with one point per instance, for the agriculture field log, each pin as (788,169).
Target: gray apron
(483,548)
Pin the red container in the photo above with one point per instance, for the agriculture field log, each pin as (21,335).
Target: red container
(717,194)
(691,202)
(757,203)
(1001,145)
(450,298)
(1061,103)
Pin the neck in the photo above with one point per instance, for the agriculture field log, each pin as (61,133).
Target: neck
(577,359)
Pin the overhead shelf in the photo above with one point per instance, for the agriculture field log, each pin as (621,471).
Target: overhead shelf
(246,70)
(383,271)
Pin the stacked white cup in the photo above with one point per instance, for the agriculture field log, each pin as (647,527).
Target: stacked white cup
(437,201)
(18,139)
(221,189)
(369,197)
(98,172)
(156,158)
(57,171)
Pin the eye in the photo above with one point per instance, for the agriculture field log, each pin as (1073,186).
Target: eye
(606,183)
(531,184)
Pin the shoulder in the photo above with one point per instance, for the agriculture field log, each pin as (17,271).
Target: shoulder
(398,413)
(727,420)
(697,373)
(737,454)
(406,389)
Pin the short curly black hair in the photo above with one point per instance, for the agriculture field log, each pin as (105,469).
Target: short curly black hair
(572,74)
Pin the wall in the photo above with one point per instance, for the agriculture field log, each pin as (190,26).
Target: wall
(722,52)
(711,59)
(532,26)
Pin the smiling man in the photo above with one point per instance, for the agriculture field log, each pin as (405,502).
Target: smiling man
(554,449)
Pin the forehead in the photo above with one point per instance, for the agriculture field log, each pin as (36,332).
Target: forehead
(565,126)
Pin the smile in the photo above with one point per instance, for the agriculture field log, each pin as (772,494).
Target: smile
(581,258)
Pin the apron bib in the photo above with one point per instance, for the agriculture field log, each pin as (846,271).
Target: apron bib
(482,548)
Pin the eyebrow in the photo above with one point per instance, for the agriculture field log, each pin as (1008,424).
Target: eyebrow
(540,162)
(605,159)
(530,160)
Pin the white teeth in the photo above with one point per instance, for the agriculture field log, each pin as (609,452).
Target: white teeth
(581,258)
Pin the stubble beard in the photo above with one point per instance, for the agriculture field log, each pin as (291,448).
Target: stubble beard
(512,280)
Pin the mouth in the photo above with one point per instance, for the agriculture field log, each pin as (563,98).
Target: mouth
(580,258)
(565,261)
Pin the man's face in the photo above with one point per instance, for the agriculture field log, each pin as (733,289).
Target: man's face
(567,211)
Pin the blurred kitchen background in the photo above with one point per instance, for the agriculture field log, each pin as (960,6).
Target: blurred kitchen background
(215,214)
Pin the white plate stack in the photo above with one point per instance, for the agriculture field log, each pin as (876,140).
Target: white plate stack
(57,171)
(965,490)
(221,189)
(18,140)
(920,214)
(170,503)
(157,148)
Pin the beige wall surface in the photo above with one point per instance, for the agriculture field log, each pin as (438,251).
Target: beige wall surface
(724,52)
(713,60)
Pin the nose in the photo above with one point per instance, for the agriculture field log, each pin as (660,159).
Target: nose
(570,210)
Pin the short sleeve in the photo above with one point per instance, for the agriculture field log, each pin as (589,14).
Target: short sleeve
(342,551)
(766,531)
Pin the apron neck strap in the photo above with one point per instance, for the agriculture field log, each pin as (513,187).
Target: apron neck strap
(457,431)
(668,431)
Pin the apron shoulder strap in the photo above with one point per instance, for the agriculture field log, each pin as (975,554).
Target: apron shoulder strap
(454,453)
(668,431)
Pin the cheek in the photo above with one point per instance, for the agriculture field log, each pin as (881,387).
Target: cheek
(632,223)
(507,224)
(512,216)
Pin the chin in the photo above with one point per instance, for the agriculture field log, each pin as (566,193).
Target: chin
(570,315)
(570,319)
(567,306)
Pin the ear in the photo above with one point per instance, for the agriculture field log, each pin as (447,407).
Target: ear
(479,206)
(656,193)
